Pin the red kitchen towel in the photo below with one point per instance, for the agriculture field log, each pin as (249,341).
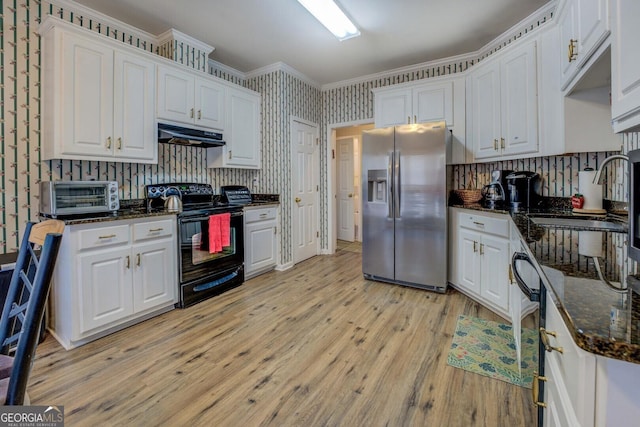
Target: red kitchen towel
(215,241)
(225,228)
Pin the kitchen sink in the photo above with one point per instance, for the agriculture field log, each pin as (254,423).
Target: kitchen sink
(578,222)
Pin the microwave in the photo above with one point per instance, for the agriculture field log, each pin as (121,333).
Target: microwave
(634,204)
(61,198)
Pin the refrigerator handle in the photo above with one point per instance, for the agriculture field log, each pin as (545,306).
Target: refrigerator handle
(397,185)
(389,183)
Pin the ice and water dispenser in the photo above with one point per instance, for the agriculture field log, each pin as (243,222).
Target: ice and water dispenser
(377,185)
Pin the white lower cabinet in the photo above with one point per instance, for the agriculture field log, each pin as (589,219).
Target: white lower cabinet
(570,373)
(479,243)
(112,274)
(260,240)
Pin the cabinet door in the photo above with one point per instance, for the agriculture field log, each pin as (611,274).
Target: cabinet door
(87,101)
(469,260)
(568,42)
(155,280)
(593,26)
(104,285)
(433,103)
(134,108)
(494,254)
(558,412)
(625,65)
(519,101)
(393,108)
(243,129)
(176,95)
(209,104)
(260,246)
(485,110)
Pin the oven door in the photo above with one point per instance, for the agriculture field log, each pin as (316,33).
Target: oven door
(197,260)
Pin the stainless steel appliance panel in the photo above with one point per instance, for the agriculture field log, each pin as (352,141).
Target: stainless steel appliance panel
(377,215)
(420,223)
(404,205)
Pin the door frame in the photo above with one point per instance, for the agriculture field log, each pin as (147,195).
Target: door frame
(292,231)
(330,173)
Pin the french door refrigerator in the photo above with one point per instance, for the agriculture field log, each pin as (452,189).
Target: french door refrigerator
(404,198)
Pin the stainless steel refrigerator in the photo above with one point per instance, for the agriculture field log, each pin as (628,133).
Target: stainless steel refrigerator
(404,214)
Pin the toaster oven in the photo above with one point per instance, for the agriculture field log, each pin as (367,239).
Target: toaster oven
(62,198)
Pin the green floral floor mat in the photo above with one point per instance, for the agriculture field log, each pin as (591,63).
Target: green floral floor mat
(488,348)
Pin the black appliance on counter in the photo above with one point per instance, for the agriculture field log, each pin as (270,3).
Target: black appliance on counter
(524,189)
(235,194)
(202,273)
(496,192)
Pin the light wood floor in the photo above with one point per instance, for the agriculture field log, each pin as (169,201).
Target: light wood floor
(316,345)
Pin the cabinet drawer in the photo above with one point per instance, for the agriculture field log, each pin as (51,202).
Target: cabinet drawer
(485,224)
(253,215)
(152,230)
(103,237)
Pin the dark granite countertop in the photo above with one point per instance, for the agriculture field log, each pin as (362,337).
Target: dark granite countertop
(576,264)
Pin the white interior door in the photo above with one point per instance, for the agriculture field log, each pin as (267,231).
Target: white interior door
(346,190)
(305,189)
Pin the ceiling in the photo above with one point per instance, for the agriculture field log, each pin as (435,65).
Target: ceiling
(251,34)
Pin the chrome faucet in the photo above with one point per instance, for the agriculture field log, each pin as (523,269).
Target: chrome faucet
(596,179)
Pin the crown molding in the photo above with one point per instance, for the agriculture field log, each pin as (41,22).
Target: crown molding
(173,34)
(281,66)
(104,19)
(402,70)
(226,69)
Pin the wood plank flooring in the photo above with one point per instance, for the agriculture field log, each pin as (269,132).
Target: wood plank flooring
(316,345)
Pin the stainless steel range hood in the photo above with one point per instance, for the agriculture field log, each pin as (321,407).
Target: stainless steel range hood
(171,134)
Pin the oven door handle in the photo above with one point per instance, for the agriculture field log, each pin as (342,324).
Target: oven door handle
(532,294)
(204,218)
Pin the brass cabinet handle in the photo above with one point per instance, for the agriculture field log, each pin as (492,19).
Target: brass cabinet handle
(128,261)
(191,114)
(481,248)
(415,119)
(510,275)
(475,246)
(502,143)
(275,230)
(573,54)
(495,144)
(199,114)
(110,236)
(153,230)
(479,224)
(545,341)
(408,120)
(229,154)
(138,260)
(263,215)
(119,143)
(535,390)
(109,143)
(350,195)
(298,199)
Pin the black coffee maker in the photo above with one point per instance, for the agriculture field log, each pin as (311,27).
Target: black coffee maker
(496,192)
(525,189)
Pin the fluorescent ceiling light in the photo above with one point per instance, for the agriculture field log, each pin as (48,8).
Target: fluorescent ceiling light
(330,15)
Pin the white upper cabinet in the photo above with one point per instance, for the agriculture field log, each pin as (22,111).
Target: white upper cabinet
(417,103)
(242,132)
(584,25)
(98,97)
(434,99)
(502,105)
(625,65)
(185,97)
